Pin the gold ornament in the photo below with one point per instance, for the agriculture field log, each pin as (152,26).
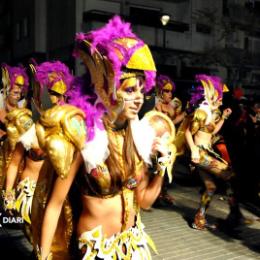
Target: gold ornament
(18,121)
(60,131)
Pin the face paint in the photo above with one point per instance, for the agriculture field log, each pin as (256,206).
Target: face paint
(14,95)
(131,92)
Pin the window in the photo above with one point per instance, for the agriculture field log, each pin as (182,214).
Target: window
(25,27)
(203,28)
(18,31)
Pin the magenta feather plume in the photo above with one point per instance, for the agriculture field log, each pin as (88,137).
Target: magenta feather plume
(162,80)
(104,40)
(215,80)
(82,101)
(60,69)
(17,71)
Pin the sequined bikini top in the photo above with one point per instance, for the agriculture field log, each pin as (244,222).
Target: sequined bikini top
(99,181)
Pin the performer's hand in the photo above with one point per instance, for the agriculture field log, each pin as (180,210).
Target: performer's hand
(160,145)
(195,154)
(227,112)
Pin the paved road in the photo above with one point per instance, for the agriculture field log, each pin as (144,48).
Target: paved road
(169,228)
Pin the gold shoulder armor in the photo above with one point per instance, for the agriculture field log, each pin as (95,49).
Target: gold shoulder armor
(18,121)
(216,115)
(60,131)
(198,120)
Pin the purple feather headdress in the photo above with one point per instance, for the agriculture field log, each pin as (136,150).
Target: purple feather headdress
(215,81)
(17,71)
(162,80)
(197,96)
(61,73)
(107,41)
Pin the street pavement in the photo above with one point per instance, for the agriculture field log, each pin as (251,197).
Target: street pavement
(175,239)
(170,229)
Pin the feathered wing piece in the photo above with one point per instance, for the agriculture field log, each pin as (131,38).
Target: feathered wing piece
(40,98)
(6,86)
(213,87)
(36,95)
(102,74)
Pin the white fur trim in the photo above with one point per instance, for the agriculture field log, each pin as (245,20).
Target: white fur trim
(96,151)
(207,109)
(143,136)
(29,138)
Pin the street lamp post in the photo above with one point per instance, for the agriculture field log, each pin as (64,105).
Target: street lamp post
(165,18)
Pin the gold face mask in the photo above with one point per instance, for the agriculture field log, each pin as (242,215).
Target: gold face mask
(19,81)
(59,86)
(167,86)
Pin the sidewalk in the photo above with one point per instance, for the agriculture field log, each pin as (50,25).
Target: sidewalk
(174,238)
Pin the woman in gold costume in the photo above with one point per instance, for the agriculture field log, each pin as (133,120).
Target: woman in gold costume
(24,142)
(15,83)
(172,107)
(166,104)
(111,169)
(203,125)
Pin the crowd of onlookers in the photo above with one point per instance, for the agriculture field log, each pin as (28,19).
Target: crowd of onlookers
(242,135)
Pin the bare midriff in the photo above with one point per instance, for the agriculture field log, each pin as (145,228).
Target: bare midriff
(107,212)
(32,169)
(203,139)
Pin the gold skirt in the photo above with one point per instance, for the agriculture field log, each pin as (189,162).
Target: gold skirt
(129,244)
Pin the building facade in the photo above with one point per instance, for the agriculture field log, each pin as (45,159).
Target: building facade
(202,36)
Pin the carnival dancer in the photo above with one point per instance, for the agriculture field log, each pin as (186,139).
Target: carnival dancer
(172,108)
(15,83)
(167,104)
(114,182)
(23,140)
(202,126)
